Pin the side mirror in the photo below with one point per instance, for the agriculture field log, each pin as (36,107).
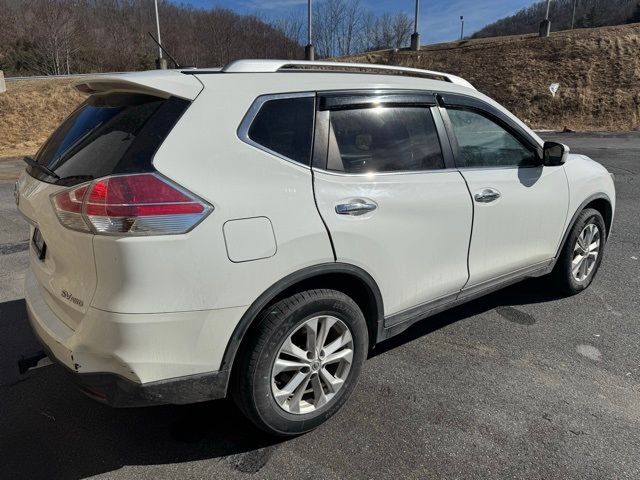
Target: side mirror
(554,153)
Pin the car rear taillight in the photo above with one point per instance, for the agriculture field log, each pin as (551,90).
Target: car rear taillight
(138,204)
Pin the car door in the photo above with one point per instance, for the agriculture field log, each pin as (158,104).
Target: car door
(389,195)
(520,205)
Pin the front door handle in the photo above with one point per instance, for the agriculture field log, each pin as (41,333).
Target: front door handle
(487,195)
(356,207)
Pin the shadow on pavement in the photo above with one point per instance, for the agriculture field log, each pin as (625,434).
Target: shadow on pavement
(529,291)
(48,429)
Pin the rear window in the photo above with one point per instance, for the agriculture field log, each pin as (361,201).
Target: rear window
(285,126)
(383,139)
(108,134)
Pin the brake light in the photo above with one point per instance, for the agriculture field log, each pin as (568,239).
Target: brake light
(138,204)
(68,207)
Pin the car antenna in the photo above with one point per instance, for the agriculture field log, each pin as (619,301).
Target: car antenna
(177,65)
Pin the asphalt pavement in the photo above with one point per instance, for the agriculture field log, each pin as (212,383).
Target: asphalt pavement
(519,384)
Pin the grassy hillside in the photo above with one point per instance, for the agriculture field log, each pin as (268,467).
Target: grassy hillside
(30,110)
(588,14)
(598,71)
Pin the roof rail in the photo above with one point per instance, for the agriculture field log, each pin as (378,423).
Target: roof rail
(272,66)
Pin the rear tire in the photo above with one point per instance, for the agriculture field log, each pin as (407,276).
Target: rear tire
(581,254)
(301,362)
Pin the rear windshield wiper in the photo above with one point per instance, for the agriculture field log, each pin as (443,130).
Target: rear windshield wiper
(33,164)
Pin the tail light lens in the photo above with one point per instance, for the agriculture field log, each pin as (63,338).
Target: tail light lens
(139,204)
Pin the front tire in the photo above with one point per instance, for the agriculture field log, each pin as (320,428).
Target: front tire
(301,362)
(582,253)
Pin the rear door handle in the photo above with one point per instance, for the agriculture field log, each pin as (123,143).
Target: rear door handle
(487,195)
(356,207)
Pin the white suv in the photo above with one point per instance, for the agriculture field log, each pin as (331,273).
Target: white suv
(255,230)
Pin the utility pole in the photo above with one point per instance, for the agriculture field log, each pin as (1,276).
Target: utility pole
(461,27)
(415,36)
(309,54)
(545,25)
(161,63)
(573,15)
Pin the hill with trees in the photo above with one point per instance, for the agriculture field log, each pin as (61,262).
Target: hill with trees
(53,37)
(588,13)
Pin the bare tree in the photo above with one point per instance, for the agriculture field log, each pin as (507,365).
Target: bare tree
(344,27)
(350,27)
(51,37)
(293,31)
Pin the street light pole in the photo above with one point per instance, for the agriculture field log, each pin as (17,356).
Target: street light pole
(573,15)
(309,54)
(461,27)
(415,36)
(545,25)
(161,63)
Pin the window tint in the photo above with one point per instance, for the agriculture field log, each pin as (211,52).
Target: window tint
(107,134)
(383,140)
(285,126)
(484,143)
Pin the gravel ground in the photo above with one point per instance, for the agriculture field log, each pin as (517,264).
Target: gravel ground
(518,384)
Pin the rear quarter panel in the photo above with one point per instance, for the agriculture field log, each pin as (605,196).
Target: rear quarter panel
(193,271)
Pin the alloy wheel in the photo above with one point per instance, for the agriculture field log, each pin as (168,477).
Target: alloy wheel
(312,364)
(585,252)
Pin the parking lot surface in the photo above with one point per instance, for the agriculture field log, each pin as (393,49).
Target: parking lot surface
(519,384)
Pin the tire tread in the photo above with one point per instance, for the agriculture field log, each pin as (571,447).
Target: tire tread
(251,351)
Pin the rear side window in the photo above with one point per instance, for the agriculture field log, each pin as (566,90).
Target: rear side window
(383,139)
(285,126)
(108,134)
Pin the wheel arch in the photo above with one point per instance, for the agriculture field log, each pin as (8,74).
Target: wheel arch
(598,201)
(603,205)
(349,279)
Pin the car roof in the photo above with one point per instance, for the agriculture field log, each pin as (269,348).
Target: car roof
(188,82)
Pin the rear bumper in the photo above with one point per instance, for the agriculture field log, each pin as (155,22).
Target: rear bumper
(140,359)
(116,391)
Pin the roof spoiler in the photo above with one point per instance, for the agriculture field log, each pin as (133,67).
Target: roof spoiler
(160,83)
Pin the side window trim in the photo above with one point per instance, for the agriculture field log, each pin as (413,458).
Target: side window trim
(349,99)
(254,109)
(498,121)
(446,142)
(320,154)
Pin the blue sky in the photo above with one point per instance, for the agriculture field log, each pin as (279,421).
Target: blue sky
(439,19)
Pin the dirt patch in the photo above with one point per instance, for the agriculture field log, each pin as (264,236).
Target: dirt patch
(598,71)
(30,110)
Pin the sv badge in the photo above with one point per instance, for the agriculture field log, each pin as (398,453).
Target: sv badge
(68,296)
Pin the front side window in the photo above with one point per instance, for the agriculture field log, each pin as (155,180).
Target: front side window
(484,143)
(383,139)
(285,126)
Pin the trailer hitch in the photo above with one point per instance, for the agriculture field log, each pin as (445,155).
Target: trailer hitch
(36,360)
